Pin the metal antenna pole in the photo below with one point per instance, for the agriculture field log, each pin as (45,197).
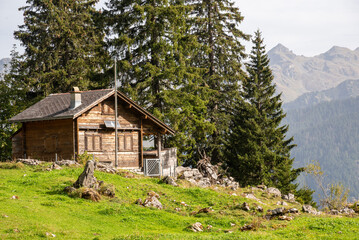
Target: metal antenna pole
(116,138)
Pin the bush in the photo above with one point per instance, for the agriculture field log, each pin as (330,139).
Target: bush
(305,196)
(84,157)
(11,165)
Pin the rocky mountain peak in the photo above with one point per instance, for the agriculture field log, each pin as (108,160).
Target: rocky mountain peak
(337,52)
(280,53)
(296,75)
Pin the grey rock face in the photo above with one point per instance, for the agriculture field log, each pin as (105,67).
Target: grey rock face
(197,227)
(309,209)
(152,201)
(277,211)
(170,180)
(87,178)
(274,191)
(295,75)
(347,210)
(289,197)
(245,206)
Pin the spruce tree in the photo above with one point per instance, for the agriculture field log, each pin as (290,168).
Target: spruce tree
(258,151)
(151,41)
(216,24)
(63,46)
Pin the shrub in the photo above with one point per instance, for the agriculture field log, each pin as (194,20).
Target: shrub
(84,157)
(11,165)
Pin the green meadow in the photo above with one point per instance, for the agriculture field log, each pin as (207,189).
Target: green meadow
(33,205)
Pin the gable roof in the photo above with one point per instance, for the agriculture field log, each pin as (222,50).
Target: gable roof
(57,106)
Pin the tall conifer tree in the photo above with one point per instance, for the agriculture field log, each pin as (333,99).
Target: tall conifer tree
(63,46)
(151,41)
(258,151)
(216,24)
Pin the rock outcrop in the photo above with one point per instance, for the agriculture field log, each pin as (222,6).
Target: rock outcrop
(205,175)
(197,227)
(90,187)
(274,192)
(170,180)
(87,178)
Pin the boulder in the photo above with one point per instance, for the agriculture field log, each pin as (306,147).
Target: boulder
(205,210)
(274,191)
(54,166)
(347,210)
(29,161)
(277,211)
(247,227)
(282,203)
(259,209)
(139,202)
(245,206)
(334,212)
(107,168)
(87,178)
(207,169)
(69,189)
(152,201)
(293,210)
(181,169)
(263,187)
(196,174)
(289,197)
(107,190)
(309,209)
(187,174)
(286,218)
(197,227)
(89,193)
(203,183)
(249,196)
(170,181)
(67,163)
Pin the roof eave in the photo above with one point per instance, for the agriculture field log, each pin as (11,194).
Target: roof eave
(39,119)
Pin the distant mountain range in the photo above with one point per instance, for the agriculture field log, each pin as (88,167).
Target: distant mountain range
(296,75)
(345,90)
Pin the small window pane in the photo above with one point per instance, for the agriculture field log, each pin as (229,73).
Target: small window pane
(128,143)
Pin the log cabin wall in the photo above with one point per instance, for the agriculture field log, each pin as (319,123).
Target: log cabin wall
(98,140)
(18,144)
(43,139)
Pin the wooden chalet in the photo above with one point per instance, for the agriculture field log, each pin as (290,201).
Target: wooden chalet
(67,124)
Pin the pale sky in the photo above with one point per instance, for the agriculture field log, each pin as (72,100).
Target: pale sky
(307,27)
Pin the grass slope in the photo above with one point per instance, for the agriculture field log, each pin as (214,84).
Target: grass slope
(42,207)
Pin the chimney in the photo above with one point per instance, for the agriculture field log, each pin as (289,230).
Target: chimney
(75,98)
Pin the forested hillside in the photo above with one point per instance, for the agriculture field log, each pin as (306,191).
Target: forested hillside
(328,132)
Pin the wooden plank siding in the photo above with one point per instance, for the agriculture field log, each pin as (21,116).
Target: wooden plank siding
(43,139)
(18,144)
(91,126)
(87,132)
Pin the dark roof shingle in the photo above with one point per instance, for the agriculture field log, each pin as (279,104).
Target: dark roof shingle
(57,106)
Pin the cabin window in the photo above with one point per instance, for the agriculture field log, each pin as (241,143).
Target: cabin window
(50,144)
(125,142)
(93,142)
(107,109)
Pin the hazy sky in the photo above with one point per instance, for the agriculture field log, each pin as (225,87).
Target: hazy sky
(308,27)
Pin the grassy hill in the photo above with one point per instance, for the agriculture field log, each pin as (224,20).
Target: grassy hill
(43,209)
